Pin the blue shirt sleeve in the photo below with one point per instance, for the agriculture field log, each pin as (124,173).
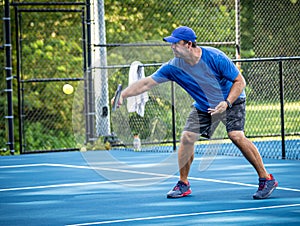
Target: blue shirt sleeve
(161,75)
(227,68)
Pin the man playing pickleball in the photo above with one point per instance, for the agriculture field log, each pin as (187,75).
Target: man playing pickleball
(217,87)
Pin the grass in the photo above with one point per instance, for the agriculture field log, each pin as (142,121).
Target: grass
(264,120)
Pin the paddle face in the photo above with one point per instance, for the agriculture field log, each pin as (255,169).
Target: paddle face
(117,97)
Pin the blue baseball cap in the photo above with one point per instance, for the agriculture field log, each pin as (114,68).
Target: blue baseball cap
(181,33)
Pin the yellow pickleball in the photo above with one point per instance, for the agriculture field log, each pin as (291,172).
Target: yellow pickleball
(68,89)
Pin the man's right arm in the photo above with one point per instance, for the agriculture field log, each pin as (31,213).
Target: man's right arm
(138,87)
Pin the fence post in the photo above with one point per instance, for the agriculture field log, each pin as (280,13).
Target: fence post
(281,79)
(237,33)
(173,115)
(18,70)
(99,59)
(90,81)
(9,77)
(85,22)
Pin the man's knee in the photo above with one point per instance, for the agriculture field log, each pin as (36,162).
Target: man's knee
(188,138)
(236,136)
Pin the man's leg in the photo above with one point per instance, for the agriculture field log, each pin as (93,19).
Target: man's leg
(185,159)
(267,182)
(197,122)
(186,154)
(250,152)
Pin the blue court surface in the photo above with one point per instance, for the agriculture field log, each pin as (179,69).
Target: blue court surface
(129,188)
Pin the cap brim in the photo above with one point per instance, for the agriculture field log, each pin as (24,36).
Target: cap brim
(171,39)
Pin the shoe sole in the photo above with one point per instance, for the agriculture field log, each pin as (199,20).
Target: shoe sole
(180,196)
(266,196)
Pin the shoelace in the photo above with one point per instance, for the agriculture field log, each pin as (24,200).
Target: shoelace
(179,185)
(176,188)
(261,184)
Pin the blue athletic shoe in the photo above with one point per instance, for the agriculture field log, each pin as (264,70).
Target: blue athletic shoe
(265,187)
(181,189)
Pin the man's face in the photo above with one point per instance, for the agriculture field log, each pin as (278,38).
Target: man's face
(179,49)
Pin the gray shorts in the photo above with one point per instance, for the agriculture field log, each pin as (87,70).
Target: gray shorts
(204,124)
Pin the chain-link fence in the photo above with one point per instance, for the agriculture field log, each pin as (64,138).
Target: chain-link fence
(264,116)
(49,53)
(47,60)
(137,36)
(276,28)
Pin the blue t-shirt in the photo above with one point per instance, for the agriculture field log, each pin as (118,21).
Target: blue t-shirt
(208,82)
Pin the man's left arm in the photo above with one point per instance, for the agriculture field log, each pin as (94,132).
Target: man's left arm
(239,84)
(237,88)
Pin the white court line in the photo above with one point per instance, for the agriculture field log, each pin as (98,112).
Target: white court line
(74,184)
(122,181)
(21,166)
(187,215)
